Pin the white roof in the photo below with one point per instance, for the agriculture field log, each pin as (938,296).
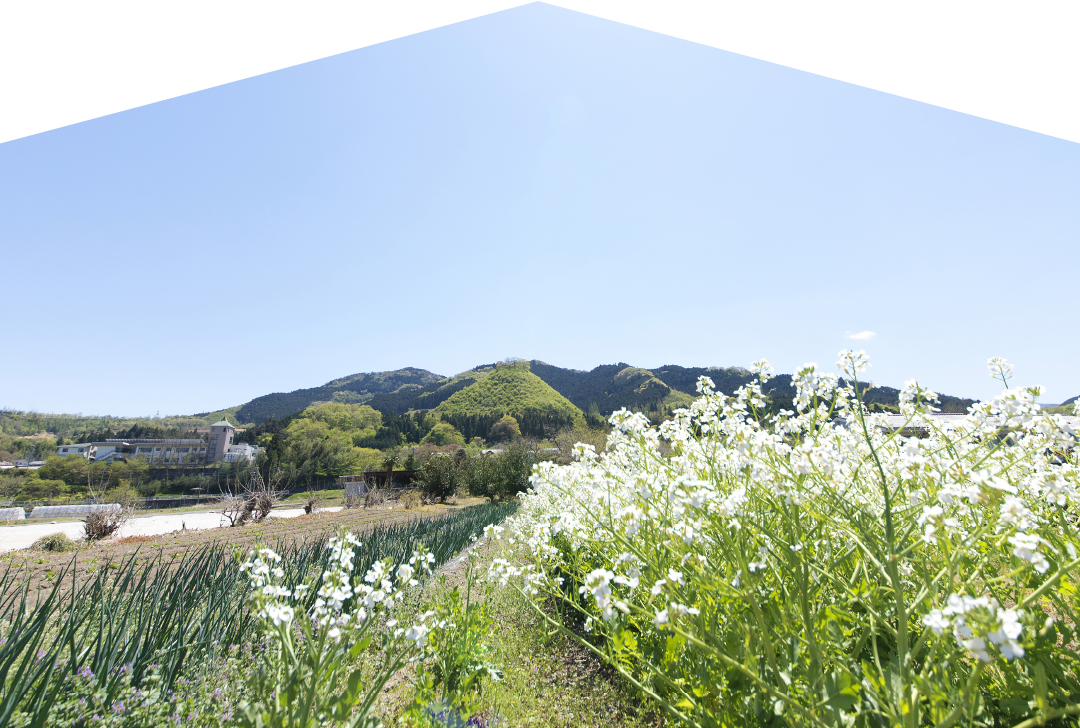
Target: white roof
(943,420)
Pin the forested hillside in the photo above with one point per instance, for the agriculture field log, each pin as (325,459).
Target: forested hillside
(597,392)
(430,396)
(353,389)
(509,388)
(610,387)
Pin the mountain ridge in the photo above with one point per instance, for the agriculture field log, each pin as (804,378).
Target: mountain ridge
(599,391)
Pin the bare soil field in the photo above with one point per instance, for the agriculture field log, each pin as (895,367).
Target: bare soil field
(42,568)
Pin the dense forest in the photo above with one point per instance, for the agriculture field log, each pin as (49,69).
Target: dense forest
(353,389)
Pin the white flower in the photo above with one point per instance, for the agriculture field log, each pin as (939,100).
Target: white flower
(937,621)
(661,618)
(404,573)
(681,610)
(852,362)
(1014,512)
(1011,649)
(598,583)
(976,647)
(418,633)
(279,614)
(1026,547)
(999,368)
(762,368)
(762,562)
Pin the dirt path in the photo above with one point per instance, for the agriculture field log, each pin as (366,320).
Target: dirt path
(23,535)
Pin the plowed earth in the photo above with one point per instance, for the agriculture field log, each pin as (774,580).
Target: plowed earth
(43,568)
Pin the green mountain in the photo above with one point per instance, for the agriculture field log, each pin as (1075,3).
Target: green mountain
(536,387)
(430,396)
(507,389)
(613,386)
(356,388)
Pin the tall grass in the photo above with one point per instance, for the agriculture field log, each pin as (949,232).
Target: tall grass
(178,614)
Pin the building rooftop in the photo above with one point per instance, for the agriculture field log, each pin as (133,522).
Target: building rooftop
(151,441)
(940,419)
(224,423)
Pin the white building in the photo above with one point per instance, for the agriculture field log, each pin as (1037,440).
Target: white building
(85,449)
(243,451)
(173,452)
(894,422)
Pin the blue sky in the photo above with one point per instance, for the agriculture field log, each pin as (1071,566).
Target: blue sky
(534,183)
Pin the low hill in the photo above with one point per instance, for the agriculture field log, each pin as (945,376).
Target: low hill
(508,389)
(354,389)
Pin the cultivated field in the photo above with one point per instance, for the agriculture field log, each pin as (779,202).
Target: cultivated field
(42,567)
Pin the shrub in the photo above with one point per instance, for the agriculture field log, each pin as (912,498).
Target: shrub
(54,542)
(481,476)
(502,474)
(410,499)
(150,488)
(506,428)
(444,434)
(818,568)
(439,477)
(567,438)
(123,494)
(376,497)
(39,489)
(514,466)
(104,523)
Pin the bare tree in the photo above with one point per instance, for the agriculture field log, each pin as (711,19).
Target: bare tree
(253,499)
(103,521)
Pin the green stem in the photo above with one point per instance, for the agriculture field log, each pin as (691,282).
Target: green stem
(1048,716)
(892,563)
(1052,581)
(958,709)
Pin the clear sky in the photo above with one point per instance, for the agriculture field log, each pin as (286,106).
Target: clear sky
(534,183)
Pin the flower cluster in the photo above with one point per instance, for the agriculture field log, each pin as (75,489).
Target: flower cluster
(337,589)
(754,505)
(979,623)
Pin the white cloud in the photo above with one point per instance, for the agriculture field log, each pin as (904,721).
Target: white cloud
(862,335)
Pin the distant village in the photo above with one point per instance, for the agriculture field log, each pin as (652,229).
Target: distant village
(212,446)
